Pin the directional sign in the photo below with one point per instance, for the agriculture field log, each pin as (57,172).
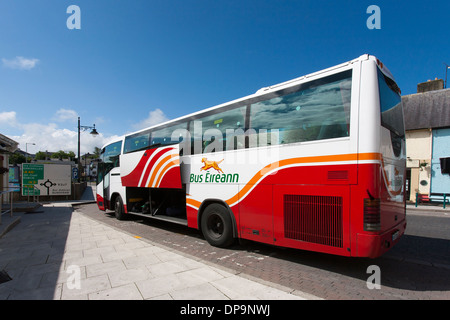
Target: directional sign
(46,179)
(31,174)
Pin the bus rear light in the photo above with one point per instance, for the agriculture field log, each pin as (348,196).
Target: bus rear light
(372,220)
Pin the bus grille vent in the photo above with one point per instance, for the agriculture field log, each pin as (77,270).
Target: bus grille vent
(315,219)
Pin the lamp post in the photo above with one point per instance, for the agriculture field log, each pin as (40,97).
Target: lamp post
(26,150)
(93,132)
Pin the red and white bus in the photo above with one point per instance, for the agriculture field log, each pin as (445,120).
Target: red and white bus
(316,163)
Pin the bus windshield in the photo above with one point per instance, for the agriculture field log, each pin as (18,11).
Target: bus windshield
(391,105)
(109,159)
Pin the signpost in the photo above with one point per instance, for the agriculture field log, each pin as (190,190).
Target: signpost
(46,179)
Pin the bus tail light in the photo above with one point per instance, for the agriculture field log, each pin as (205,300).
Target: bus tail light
(372,220)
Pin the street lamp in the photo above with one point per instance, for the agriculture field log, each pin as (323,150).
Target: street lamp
(26,150)
(93,132)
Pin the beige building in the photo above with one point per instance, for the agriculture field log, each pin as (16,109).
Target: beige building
(418,152)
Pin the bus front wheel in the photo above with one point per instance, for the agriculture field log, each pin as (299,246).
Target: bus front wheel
(216,226)
(118,208)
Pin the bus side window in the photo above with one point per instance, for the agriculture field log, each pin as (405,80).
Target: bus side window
(219,132)
(312,113)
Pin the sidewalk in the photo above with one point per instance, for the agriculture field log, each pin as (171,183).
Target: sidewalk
(56,253)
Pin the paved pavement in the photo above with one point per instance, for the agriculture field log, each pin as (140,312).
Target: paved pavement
(56,253)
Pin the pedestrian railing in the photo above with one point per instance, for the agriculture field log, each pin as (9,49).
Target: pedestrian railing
(9,191)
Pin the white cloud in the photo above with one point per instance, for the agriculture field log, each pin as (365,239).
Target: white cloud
(49,137)
(65,115)
(155,117)
(8,118)
(20,63)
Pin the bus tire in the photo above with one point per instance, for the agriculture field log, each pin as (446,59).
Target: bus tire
(216,226)
(118,208)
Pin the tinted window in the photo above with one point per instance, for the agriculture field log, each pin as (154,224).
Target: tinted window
(219,131)
(137,142)
(317,110)
(391,105)
(169,135)
(109,159)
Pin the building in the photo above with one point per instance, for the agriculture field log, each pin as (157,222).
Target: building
(427,124)
(7,146)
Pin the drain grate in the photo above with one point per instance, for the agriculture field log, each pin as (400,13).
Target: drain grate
(4,277)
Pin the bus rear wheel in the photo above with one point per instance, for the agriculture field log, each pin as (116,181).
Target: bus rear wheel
(216,226)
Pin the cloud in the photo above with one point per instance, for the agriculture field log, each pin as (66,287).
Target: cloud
(155,117)
(8,118)
(65,115)
(20,63)
(50,137)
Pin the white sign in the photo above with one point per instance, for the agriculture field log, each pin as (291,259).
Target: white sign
(46,179)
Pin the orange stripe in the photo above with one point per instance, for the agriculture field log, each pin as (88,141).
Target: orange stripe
(283,163)
(156,169)
(165,169)
(193,203)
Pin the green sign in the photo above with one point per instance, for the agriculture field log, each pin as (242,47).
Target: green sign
(31,173)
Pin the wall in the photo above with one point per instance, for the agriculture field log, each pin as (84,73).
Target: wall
(418,153)
(440,183)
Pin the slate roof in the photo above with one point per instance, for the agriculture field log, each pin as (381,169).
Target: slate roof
(427,110)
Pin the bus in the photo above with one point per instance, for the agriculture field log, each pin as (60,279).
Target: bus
(315,163)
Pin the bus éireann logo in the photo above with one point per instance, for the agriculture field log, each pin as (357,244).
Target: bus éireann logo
(211,177)
(211,164)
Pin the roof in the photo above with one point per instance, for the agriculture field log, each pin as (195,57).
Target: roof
(7,144)
(427,110)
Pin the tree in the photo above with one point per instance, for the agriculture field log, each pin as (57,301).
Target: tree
(17,158)
(40,155)
(97,151)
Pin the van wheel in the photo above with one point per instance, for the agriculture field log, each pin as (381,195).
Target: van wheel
(216,226)
(118,208)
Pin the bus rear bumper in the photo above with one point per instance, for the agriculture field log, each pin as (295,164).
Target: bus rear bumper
(375,245)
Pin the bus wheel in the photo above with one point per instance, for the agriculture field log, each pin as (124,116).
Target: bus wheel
(118,208)
(216,226)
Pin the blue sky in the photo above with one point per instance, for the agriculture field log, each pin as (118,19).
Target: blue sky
(139,62)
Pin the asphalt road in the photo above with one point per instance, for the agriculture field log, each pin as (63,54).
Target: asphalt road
(418,267)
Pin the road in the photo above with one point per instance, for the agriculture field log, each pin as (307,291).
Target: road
(418,267)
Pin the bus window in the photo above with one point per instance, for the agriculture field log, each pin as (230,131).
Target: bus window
(137,142)
(219,131)
(391,105)
(169,135)
(316,111)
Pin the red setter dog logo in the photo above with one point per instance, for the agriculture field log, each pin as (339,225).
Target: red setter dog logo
(211,164)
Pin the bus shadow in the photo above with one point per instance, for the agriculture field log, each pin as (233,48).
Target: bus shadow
(416,263)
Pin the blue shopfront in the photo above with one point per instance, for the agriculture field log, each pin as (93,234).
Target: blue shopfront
(440,177)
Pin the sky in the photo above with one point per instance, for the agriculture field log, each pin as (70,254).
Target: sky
(125,65)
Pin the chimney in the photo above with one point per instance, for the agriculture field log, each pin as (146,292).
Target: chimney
(430,85)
